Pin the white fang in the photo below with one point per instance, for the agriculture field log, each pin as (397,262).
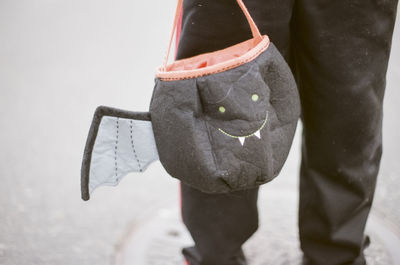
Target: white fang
(257,133)
(241,139)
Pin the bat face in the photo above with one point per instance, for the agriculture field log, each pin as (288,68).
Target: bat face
(228,130)
(237,110)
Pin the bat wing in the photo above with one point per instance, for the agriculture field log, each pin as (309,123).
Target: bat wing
(119,142)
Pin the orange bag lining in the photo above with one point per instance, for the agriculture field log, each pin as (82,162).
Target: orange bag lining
(213,58)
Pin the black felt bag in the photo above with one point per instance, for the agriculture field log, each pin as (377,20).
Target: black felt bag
(225,120)
(220,121)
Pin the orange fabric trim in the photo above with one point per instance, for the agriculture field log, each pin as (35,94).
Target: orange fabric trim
(178,32)
(254,29)
(213,62)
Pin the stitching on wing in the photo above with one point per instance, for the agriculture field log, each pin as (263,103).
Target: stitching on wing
(133,146)
(116,149)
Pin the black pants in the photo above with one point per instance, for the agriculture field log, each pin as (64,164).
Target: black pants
(338,51)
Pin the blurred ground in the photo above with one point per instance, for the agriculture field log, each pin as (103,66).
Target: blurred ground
(59,60)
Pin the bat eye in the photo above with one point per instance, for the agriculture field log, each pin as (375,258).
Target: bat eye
(221,109)
(254,97)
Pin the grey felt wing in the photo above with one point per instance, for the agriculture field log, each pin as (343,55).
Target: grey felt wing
(119,142)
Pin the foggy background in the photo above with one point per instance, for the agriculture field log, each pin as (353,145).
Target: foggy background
(59,60)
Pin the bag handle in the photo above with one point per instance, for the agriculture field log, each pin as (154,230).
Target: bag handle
(254,29)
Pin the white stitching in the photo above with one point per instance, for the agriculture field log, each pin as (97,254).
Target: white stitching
(133,146)
(245,136)
(116,149)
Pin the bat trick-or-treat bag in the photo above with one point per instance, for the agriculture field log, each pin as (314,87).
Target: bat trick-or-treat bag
(219,121)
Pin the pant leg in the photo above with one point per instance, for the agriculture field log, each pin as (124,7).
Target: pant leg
(342,49)
(220,224)
(212,25)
